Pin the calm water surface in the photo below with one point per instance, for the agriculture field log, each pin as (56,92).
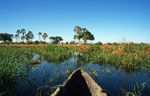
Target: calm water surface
(43,78)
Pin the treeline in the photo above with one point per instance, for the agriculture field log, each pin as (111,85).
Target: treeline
(22,36)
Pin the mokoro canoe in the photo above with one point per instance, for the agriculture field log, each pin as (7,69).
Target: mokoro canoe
(79,83)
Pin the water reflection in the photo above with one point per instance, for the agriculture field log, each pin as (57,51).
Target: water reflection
(46,77)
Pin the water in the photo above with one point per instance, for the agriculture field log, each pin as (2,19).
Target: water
(43,78)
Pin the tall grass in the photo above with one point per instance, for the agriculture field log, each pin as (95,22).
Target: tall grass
(56,53)
(126,55)
(12,60)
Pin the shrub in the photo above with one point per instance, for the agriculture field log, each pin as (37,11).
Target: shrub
(29,42)
(36,42)
(73,42)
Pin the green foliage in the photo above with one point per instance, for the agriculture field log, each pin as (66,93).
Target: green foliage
(83,33)
(127,56)
(44,36)
(93,72)
(72,42)
(56,40)
(6,37)
(23,32)
(40,34)
(56,53)
(12,65)
(29,36)
(137,89)
(67,42)
(18,34)
(36,42)
(86,35)
(78,31)
(107,70)
(99,43)
(29,42)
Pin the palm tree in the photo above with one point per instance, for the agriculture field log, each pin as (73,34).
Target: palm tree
(44,36)
(29,36)
(22,38)
(18,34)
(40,35)
(23,31)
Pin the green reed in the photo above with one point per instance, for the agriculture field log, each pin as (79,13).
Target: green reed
(56,53)
(127,55)
(12,60)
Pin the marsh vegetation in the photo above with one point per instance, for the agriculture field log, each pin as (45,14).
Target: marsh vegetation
(127,64)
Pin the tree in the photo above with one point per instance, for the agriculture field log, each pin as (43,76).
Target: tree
(23,38)
(78,31)
(29,36)
(23,31)
(86,35)
(6,37)
(56,40)
(99,43)
(18,34)
(44,36)
(72,42)
(40,34)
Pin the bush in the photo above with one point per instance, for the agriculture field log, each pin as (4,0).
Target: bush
(73,42)
(67,42)
(42,42)
(21,42)
(29,42)
(109,43)
(115,43)
(36,42)
(99,43)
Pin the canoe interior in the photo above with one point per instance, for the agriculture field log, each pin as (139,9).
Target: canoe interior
(78,84)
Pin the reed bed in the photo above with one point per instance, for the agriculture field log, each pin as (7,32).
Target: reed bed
(56,53)
(12,60)
(126,55)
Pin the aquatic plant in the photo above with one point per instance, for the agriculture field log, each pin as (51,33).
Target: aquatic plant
(137,89)
(125,55)
(56,53)
(13,60)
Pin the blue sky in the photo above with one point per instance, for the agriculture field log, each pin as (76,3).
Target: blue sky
(108,20)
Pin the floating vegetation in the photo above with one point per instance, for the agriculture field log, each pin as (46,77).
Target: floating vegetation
(137,89)
(93,72)
(107,71)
